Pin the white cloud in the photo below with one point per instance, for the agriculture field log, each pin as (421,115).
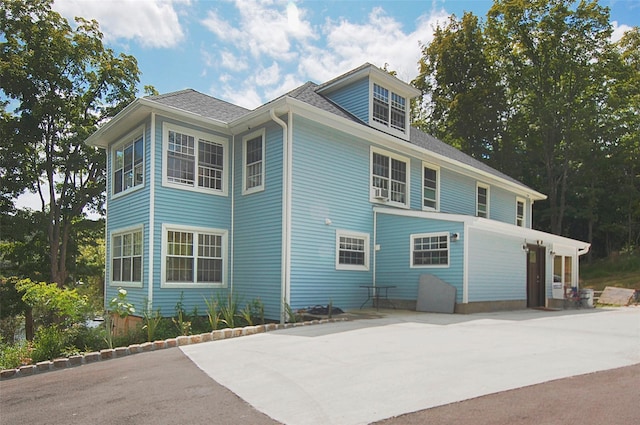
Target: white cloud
(230,61)
(151,23)
(618,31)
(245,95)
(268,76)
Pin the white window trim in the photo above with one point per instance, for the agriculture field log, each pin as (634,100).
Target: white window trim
(429,235)
(245,139)
(189,285)
(524,211)
(131,136)
(388,128)
(166,127)
(437,170)
(488,188)
(351,234)
(121,231)
(388,201)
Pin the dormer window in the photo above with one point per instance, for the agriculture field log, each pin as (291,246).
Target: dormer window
(389,109)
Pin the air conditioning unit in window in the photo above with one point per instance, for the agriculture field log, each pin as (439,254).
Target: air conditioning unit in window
(379,194)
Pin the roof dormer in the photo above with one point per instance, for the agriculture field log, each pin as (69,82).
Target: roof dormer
(374,96)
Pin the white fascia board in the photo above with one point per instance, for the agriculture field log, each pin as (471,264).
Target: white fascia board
(380,138)
(471,222)
(379,75)
(137,111)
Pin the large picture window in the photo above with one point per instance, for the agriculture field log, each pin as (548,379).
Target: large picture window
(128,164)
(126,258)
(193,256)
(194,159)
(389,178)
(430,250)
(253,161)
(352,250)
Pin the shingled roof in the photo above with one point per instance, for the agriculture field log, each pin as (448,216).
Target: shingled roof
(201,104)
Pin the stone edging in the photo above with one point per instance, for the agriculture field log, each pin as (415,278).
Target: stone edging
(111,353)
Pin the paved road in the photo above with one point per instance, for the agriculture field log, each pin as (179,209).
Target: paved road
(167,387)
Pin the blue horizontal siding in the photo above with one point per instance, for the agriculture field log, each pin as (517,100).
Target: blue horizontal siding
(257,236)
(354,98)
(330,181)
(394,257)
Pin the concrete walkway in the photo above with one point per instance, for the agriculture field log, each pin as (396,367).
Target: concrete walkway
(366,370)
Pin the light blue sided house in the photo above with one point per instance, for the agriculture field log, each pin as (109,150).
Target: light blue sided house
(310,197)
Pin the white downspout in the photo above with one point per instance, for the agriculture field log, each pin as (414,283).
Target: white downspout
(152,209)
(233,213)
(375,245)
(286,212)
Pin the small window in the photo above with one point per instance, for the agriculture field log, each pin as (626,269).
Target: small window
(482,200)
(389,178)
(430,250)
(430,183)
(128,164)
(352,251)
(520,212)
(193,257)
(194,160)
(126,258)
(253,154)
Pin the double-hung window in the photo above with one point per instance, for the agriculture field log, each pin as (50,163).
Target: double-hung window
(128,163)
(430,184)
(253,160)
(193,257)
(430,250)
(482,200)
(389,108)
(389,178)
(194,160)
(520,212)
(352,250)
(126,257)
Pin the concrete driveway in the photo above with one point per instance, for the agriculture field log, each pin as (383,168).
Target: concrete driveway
(363,371)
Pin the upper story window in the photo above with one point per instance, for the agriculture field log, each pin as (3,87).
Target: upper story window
(482,200)
(128,163)
(253,162)
(193,257)
(430,250)
(126,258)
(389,108)
(430,186)
(520,212)
(194,160)
(389,175)
(352,250)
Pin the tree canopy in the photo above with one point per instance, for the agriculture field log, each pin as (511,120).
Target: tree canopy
(540,91)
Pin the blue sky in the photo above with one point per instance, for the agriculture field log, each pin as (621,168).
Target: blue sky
(249,51)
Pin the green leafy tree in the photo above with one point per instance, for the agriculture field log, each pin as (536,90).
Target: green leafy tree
(62,82)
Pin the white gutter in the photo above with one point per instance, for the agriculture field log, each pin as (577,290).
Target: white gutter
(152,208)
(285,268)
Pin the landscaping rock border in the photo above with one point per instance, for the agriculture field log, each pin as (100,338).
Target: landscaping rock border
(112,353)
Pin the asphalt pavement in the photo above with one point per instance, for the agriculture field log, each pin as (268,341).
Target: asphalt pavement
(527,367)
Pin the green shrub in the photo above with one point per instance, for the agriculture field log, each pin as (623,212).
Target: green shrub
(48,343)
(15,355)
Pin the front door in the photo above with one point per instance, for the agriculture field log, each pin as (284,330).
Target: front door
(535,276)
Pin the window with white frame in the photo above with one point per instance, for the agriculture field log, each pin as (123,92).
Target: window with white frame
(193,256)
(430,250)
(253,160)
(194,159)
(430,185)
(520,212)
(389,108)
(352,250)
(128,163)
(126,257)
(482,200)
(389,177)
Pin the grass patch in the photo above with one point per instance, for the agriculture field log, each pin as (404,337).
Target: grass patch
(622,271)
